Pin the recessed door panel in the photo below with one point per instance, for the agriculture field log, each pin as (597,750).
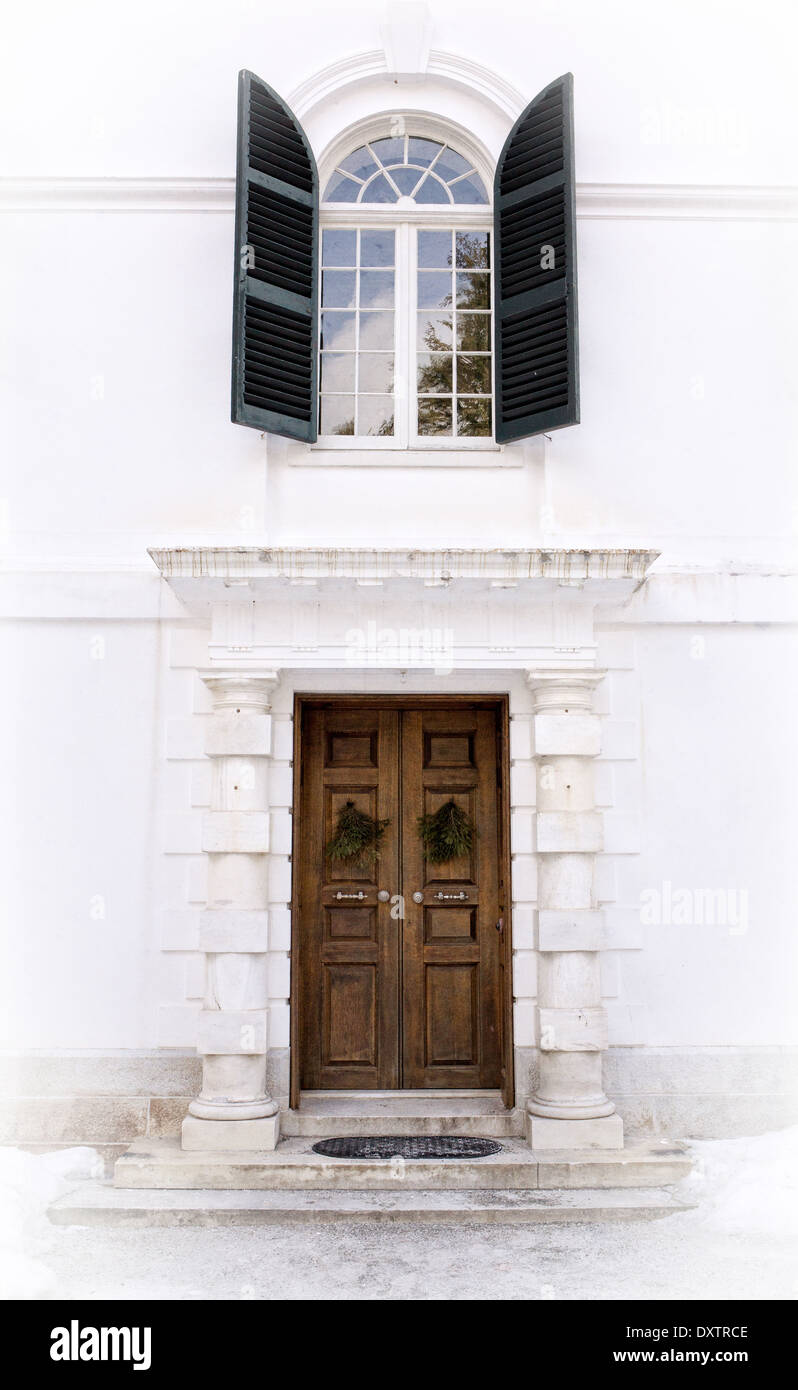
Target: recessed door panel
(349,1010)
(450,924)
(451,1001)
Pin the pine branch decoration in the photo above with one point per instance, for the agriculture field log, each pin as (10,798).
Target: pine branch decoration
(448,833)
(356,839)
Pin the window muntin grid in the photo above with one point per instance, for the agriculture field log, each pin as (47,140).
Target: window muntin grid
(453,336)
(358,332)
(428,171)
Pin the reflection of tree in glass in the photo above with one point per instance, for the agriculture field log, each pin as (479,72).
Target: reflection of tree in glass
(348,427)
(472,254)
(473,417)
(472,251)
(435,344)
(436,376)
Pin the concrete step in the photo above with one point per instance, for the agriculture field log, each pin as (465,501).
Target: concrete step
(292,1166)
(331,1115)
(95,1204)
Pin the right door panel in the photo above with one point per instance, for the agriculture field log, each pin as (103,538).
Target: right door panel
(451,1003)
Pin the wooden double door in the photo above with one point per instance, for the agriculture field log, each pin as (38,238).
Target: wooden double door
(401,971)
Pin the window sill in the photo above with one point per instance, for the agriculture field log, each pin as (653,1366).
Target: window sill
(478,444)
(412,456)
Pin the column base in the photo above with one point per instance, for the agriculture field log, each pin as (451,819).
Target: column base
(603,1133)
(233,1109)
(230,1135)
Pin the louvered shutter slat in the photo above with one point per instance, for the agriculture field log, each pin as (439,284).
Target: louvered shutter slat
(275,318)
(537,369)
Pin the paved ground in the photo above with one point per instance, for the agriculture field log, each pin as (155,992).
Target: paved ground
(740,1242)
(672,1258)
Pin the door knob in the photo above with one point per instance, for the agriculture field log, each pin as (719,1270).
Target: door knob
(418,897)
(383,896)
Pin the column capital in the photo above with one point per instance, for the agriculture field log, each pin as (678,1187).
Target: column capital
(250,691)
(563,690)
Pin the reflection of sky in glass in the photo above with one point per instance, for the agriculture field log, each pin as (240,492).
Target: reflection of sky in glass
(376,331)
(337,330)
(376,248)
(338,371)
(434,289)
(376,371)
(376,289)
(357,332)
(434,250)
(338,248)
(360,163)
(338,289)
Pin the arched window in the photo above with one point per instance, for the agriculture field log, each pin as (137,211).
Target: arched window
(406,336)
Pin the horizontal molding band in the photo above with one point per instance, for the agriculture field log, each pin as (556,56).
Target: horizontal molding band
(624,201)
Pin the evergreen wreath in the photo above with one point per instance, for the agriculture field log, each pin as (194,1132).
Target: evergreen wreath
(448,833)
(356,839)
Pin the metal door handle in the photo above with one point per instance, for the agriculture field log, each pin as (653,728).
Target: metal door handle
(451,897)
(360,895)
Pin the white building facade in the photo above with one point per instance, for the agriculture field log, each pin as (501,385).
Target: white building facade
(620,591)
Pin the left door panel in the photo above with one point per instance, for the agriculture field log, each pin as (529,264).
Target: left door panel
(349,944)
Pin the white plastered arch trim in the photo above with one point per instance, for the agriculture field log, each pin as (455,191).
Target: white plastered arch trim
(453,99)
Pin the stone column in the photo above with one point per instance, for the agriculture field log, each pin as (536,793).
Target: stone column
(234,1109)
(569,1109)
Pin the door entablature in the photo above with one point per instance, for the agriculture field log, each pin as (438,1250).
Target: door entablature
(311,609)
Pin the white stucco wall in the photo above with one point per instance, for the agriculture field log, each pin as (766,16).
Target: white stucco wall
(116,401)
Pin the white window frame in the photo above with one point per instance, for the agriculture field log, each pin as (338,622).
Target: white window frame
(406,221)
(406,216)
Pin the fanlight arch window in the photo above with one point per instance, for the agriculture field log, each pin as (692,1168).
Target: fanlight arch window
(430,172)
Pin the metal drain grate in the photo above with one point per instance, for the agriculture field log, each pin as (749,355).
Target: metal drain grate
(415,1146)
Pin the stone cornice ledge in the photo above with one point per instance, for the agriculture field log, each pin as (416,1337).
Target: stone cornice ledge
(236,564)
(626,201)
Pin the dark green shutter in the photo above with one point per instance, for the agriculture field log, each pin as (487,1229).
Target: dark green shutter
(537,366)
(275,313)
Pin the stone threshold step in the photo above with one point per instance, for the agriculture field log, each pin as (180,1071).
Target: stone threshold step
(335,1115)
(95,1204)
(292,1166)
